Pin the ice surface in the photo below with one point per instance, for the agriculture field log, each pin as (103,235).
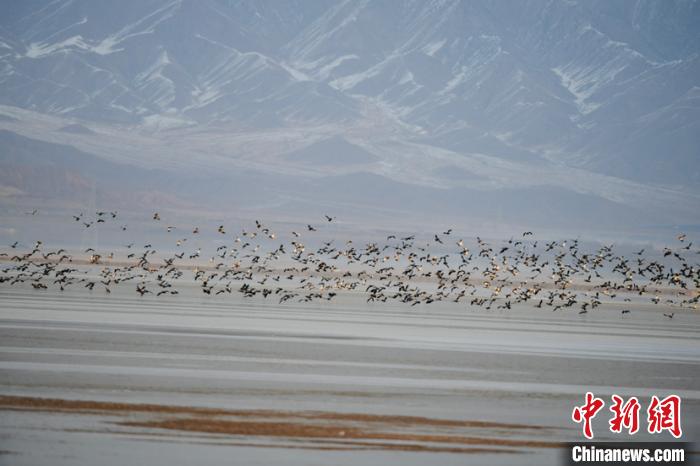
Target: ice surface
(526,366)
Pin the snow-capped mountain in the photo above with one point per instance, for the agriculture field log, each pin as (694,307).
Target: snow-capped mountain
(600,98)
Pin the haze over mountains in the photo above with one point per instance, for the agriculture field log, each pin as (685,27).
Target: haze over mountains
(560,113)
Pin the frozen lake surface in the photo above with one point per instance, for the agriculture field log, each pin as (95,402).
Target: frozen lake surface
(247,381)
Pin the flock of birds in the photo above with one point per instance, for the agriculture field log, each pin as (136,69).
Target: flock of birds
(558,275)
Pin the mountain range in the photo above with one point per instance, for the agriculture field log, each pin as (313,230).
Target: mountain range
(550,109)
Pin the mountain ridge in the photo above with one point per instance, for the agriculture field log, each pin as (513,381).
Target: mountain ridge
(598,97)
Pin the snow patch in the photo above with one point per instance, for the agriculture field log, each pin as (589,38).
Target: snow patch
(154,71)
(432,48)
(325,71)
(38,50)
(204,97)
(458,79)
(348,82)
(106,46)
(581,83)
(296,74)
(407,78)
(165,122)
(161,87)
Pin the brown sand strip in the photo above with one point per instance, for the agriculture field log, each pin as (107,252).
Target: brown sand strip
(320,430)
(300,430)
(52,404)
(415,420)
